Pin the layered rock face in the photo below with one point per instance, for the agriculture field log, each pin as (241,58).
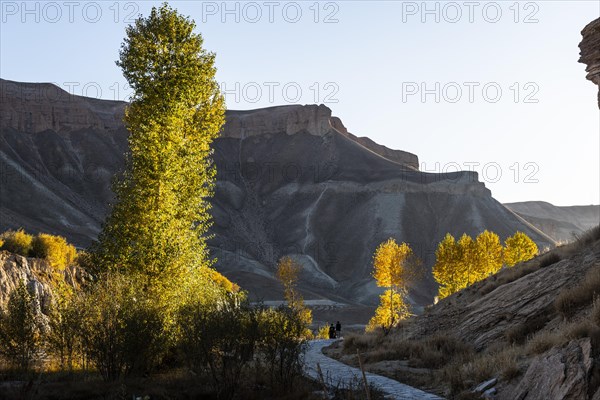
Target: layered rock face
(590,52)
(291,181)
(37,275)
(37,107)
(561,373)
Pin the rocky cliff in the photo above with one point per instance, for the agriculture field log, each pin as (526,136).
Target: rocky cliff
(590,52)
(38,276)
(291,181)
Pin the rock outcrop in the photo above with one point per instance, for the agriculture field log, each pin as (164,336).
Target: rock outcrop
(291,181)
(560,374)
(590,52)
(37,274)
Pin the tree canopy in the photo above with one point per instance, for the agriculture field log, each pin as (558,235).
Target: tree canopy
(461,263)
(519,248)
(394,267)
(158,225)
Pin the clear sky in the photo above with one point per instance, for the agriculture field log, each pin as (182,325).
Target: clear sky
(490,86)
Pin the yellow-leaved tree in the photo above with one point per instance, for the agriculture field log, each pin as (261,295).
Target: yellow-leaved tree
(288,273)
(488,254)
(152,256)
(447,270)
(461,263)
(467,251)
(394,267)
(157,229)
(519,248)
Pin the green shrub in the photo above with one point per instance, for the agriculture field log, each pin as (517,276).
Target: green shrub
(64,319)
(17,242)
(282,342)
(122,329)
(55,249)
(21,329)
(221,338)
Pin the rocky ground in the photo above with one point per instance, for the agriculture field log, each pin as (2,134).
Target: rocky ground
(534,329)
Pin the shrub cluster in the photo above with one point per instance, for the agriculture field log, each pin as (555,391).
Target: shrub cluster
(117,328)
(55,249)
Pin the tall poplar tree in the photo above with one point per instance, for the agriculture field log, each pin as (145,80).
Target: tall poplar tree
(157,228)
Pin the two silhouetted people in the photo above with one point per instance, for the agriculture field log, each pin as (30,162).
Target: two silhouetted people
(335,331)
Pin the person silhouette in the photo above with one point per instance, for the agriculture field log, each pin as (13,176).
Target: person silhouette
(338,329)
(331,332)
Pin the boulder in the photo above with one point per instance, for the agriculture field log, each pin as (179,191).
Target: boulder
(561,373)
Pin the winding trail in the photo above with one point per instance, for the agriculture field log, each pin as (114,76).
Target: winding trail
(335,372)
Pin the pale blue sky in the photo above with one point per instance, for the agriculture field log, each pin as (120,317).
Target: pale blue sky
(370,61)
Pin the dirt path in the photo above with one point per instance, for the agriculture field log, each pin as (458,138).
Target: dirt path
(335,372)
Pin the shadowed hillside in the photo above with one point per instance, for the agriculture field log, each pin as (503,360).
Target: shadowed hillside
(291,181)
(560,223)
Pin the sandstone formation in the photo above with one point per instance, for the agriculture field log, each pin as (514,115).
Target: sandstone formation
(590,52)
(560,223)
(559,374)
(37,275)
(291,181)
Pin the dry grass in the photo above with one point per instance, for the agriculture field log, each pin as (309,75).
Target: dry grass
(542,342)
(483,366)
(571,299)
(520,333)
(511,274)
(581,330)
(549,258)
(508,275)
(453,367)
(587,238)
(362,342)
(431,352)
